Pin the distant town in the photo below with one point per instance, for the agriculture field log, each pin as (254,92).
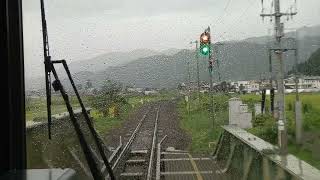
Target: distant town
(304,83)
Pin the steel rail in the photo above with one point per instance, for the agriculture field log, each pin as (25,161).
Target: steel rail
(153,146)
(128,144)
(158,167)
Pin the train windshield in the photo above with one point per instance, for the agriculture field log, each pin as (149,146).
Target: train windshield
(173,89)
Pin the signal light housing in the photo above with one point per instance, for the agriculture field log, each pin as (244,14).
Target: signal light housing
(205,42)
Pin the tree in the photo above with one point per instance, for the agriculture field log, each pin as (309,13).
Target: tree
(224,86)
(311,67)
(108,96)
(79,86)
(241,88)
(88,84)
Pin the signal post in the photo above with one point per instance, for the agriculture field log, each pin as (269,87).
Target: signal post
(205,50)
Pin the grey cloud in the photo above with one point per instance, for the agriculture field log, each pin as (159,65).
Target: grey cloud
(124,8)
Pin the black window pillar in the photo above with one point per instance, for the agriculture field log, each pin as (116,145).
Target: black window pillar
(12,121)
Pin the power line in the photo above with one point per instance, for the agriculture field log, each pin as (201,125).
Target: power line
(279,33)
(229,27)
(219,19)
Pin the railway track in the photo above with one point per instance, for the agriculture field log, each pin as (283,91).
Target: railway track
(137,158)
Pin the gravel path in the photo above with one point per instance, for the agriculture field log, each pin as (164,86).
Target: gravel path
(168,125)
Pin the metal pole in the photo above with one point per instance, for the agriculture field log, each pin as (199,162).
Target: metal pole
(96,137)
(282,129)
(198,72)
(218,64)
(211,97)
(298,113)
(49,67)
(282,133)
(189,89)
(271,85)
(270,68)
(211,83)
(47,60)
(95,171)
(296,69)
(189,78)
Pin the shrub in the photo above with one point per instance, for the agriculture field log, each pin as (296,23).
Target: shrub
(290,106)
(265,127)
(306,107)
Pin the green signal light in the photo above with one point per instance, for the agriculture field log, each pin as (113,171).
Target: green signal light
(204,50)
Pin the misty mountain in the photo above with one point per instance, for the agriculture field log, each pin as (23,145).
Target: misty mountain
(301,33)
(170,52)
(238,60)
(311,67)
(104,61)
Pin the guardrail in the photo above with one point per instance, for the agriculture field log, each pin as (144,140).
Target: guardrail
(56,119)
(241,155)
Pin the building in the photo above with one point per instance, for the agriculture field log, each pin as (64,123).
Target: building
(313,80)
(306,82)
(253,86)
(150,92)
(246,86)
(136,90)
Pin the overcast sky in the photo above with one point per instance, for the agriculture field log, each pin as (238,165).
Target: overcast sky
(81,29)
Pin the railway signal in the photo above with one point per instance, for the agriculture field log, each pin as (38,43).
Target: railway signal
(205,50)
(205,42)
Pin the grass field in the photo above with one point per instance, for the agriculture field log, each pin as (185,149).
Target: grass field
(311,124)
(199,124)
(36,109)
(105,124)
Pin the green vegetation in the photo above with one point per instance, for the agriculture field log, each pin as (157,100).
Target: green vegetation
(265,125)
(198,122)
(312,66)
(108,97)
(36,108)
(104,123)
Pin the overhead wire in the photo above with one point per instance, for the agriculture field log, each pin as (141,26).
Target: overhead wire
(219,19)
(229,27)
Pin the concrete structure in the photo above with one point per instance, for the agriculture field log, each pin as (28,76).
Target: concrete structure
(242,155)
(238,114)
(63,149)
(257,108)
(150,92)
(138,90)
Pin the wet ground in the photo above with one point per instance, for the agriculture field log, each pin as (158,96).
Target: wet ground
(168,125)
(176,162)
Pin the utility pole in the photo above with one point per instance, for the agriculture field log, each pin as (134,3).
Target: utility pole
(198,73)
(211,80)
(270,75)
(279,27)
(189,77)
(217,60)
(298,113)
(189,88)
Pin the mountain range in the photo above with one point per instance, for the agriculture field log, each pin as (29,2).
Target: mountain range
(238,60)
